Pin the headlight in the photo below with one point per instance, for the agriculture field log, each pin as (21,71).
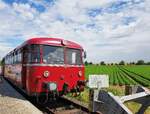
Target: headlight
(52,86)
(80,73)
(46,74)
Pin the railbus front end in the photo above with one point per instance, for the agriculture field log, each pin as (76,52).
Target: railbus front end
(47,66)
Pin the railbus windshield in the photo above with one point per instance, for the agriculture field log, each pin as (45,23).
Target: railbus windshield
(52,55)
(73,56)
(55,55)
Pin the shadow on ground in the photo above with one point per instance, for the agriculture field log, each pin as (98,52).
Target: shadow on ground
(6,90)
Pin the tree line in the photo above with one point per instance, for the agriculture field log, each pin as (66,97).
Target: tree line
(122,62)
(139,62)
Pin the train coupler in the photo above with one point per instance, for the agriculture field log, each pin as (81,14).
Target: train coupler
(80,85)
(65,89)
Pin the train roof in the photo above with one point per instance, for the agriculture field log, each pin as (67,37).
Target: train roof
(50,41)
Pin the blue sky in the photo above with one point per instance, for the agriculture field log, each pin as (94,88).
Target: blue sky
(109,30)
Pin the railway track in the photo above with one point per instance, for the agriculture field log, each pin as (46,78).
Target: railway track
(63,105)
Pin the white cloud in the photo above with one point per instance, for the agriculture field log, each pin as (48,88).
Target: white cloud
(4,48)
(24,10)
(2,5)
(105,36)
(94,3)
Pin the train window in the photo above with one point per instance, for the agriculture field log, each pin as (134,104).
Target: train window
(9,59)
(31,54)
(34,54)
(53,54)
(6,60)
(15,57)
(73,56)
(19,57)
(25,54)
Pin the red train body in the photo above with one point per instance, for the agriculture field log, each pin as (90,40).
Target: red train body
(45,65)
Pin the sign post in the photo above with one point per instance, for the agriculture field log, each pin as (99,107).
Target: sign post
(96,82)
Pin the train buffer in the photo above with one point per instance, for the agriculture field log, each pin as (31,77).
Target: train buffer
(107,103)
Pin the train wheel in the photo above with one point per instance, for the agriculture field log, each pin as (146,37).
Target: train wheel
(42,99)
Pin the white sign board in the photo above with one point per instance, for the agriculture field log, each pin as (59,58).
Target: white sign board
(98,81)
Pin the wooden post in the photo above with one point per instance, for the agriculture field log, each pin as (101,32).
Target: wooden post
(128,89)
(91,99)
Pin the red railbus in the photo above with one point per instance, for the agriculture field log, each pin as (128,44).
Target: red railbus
(46,66)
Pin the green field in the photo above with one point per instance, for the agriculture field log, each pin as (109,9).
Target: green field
(122,75)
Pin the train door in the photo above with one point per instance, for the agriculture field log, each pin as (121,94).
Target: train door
(24,65)
(31,55)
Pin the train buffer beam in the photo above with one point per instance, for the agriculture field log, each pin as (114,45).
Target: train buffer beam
(107,103)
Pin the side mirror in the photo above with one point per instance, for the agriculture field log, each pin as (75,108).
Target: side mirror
(84,55)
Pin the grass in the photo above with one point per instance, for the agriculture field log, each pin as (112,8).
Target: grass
(134,107)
